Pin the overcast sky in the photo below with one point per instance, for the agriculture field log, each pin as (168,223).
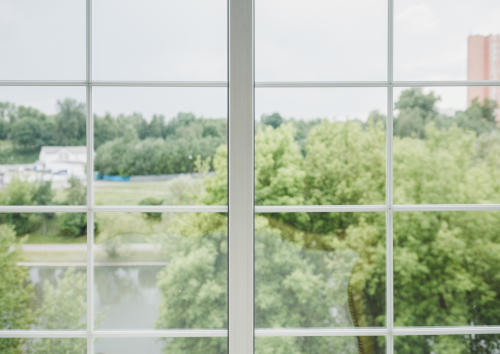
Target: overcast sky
(186,40)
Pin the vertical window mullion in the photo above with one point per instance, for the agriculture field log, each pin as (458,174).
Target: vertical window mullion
(241,182)
(90,179)
(389,182)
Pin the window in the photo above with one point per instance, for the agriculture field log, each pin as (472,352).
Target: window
(238,176)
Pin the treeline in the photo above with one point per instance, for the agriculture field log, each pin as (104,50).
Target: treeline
(132,145)
(125,144)
(156,147)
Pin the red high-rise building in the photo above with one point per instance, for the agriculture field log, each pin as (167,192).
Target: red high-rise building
(483,63)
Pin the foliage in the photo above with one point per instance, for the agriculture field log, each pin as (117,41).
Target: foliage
(328,269)
(16,293)
(274,120)
(18,192)
(151,201)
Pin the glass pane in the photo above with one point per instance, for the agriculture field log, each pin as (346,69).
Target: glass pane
(446,146)
(160,146)
(43,278)
(156,270)
(446,40)
(459,344)
(320,146)
(42,40)
(446,267)
(161,345)
(319,270)
(43,345)
(314,345)
(43,157)
(320,40)
(160,40)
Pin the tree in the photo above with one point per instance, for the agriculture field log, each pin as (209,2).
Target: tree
(416,109)
(274,120)
(30,133)
(70,123)
(16,292)
(74,224)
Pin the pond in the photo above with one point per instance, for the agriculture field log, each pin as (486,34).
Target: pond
(126,297)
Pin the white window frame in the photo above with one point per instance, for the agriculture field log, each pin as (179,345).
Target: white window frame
(241,209)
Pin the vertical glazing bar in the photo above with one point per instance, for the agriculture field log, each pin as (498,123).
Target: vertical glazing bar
(389,181)
(90,180)
(241,172)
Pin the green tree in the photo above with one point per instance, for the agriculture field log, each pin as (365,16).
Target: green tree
(415,110)
(74,224)
(16,292)
(70,123)
(274,120)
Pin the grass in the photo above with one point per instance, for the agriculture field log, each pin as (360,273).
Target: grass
(53,238)
(182,190)
(118,231)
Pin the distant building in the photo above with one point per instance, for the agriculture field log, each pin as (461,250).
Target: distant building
(483,63)
(64,160)
(55,163)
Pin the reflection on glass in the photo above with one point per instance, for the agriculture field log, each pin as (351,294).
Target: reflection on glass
(446,267)
(160,40)
(320,40)
(431,41)
(43,157)
(43,279)
(313,345)
(457,344)
(33,44)
(320,146)
(168,148)
(156,270)
(160,346)
(43,345)
(319,270)
(446,148)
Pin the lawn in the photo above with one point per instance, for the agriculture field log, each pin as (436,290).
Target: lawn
(182,190)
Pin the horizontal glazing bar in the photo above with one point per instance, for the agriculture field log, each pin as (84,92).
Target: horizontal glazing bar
(161,83)
(42,334)
(162,208)
(319,332)
(43,209)
(42,83)
(446,207)
(298,84)
(258,208)
(115,83)
(418,331)
(263,84)
(317,208)
(259,332)
(165,333)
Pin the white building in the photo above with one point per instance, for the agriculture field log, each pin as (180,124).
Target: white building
(55,163)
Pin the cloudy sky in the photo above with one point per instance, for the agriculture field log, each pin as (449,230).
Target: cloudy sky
(186,40)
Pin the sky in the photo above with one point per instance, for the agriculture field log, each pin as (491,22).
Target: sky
(295,40)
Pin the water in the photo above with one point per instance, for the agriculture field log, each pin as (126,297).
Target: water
(125,297)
